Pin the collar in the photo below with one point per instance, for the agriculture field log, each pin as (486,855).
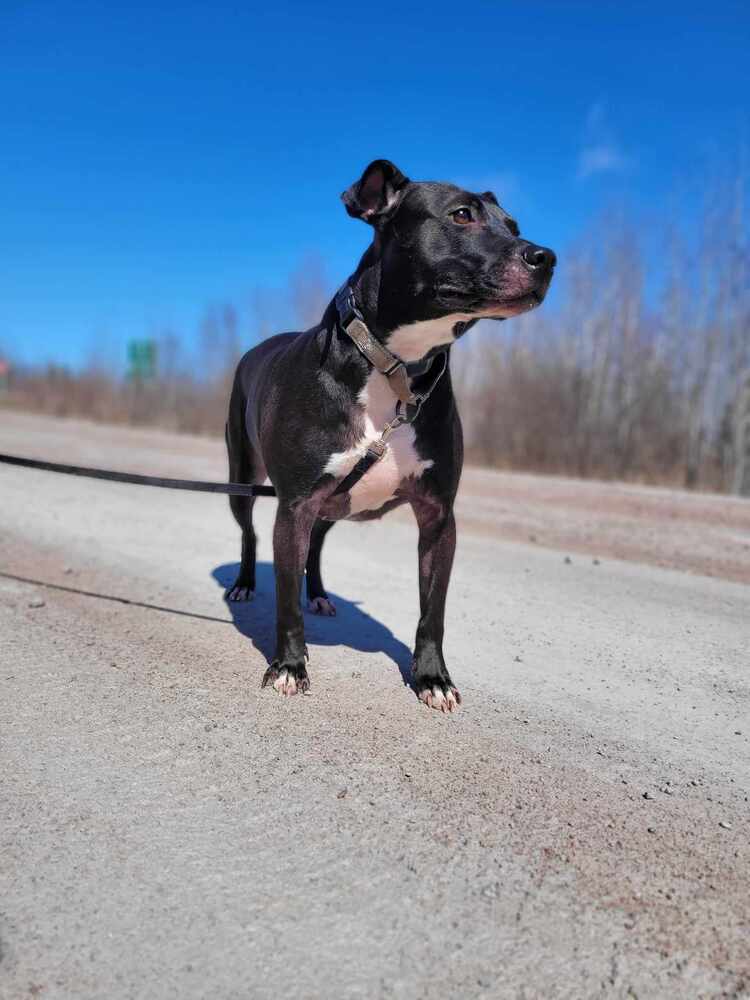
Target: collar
(398,372)
(352,322)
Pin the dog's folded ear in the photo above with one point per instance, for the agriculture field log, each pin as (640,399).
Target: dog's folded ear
(377,193)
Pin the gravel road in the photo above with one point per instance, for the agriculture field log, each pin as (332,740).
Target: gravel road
(578,829)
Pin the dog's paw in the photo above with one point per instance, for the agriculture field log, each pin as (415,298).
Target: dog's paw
(239,594)
(438,694)
(322,606)
(286,680)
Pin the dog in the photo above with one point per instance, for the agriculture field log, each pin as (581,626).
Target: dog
(357,415)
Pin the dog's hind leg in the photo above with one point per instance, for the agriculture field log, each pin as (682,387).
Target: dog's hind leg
(318,600)
(243,588)
(244,467)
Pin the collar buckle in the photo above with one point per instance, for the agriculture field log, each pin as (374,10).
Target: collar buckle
(346,306)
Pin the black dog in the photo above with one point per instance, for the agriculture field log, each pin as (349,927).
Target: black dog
(357,415)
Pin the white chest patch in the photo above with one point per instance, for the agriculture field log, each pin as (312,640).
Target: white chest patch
(400,461)
(413,341)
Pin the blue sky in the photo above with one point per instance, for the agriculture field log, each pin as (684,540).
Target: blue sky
(159,157)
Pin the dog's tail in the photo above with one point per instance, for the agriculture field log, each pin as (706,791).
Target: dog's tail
(235,433)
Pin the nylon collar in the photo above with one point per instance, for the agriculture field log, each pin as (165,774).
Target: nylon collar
(352,322)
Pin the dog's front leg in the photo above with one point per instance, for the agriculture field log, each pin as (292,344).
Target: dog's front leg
(291,540)
(437,544)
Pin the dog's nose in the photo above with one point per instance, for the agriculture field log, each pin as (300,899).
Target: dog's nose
(538,257)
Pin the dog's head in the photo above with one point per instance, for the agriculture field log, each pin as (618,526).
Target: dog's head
(445,251)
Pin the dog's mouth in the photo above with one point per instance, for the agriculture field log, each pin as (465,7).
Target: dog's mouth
(504,308)
(489,304)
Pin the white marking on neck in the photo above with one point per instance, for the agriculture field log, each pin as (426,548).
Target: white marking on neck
(400,461)
(412,341)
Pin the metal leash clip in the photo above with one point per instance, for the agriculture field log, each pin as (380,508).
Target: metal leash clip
(392,425)
(379,446)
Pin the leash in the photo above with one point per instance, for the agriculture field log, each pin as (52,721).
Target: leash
(352,323)
(196,485)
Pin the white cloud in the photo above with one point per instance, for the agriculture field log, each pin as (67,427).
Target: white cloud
(597,159)
(601,151)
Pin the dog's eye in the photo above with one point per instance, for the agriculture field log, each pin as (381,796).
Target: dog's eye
(462,216)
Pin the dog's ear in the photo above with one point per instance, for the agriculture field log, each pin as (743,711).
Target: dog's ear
(377,193)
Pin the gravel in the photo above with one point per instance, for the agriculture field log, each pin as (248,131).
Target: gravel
(146,854)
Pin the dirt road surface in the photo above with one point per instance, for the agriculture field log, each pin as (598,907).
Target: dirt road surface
(578,829)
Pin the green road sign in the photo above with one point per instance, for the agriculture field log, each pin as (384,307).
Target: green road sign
(142,360)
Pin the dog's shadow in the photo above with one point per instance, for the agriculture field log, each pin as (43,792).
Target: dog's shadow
(350,627)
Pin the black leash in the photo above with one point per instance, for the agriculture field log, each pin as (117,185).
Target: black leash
(196,485)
